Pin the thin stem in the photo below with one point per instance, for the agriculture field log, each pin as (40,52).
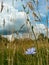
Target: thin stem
(47,25)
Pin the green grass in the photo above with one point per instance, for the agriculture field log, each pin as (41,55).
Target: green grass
(19,58)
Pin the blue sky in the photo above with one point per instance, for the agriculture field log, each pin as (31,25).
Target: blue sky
(18,5)
(41,8)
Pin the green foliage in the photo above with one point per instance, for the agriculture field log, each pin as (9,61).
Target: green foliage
(19,57)
(5,58)
(41,36)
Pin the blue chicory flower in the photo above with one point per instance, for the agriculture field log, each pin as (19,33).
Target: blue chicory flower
(30,51)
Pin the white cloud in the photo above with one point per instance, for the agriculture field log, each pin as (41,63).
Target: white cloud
(40,28)
(13,18)
(9,37)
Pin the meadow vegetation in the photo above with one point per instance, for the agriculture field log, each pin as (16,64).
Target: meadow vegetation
(13,53)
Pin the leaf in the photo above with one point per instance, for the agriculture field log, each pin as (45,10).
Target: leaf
(21,27)
(35,15)
(27,19)
(30,5)
(24,7)
(2,6)
(27,12)
(32,28)
(38,20)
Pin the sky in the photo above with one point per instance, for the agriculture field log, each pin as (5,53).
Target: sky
(15,6)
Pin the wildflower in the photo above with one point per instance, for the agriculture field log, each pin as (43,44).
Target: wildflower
(30,51)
